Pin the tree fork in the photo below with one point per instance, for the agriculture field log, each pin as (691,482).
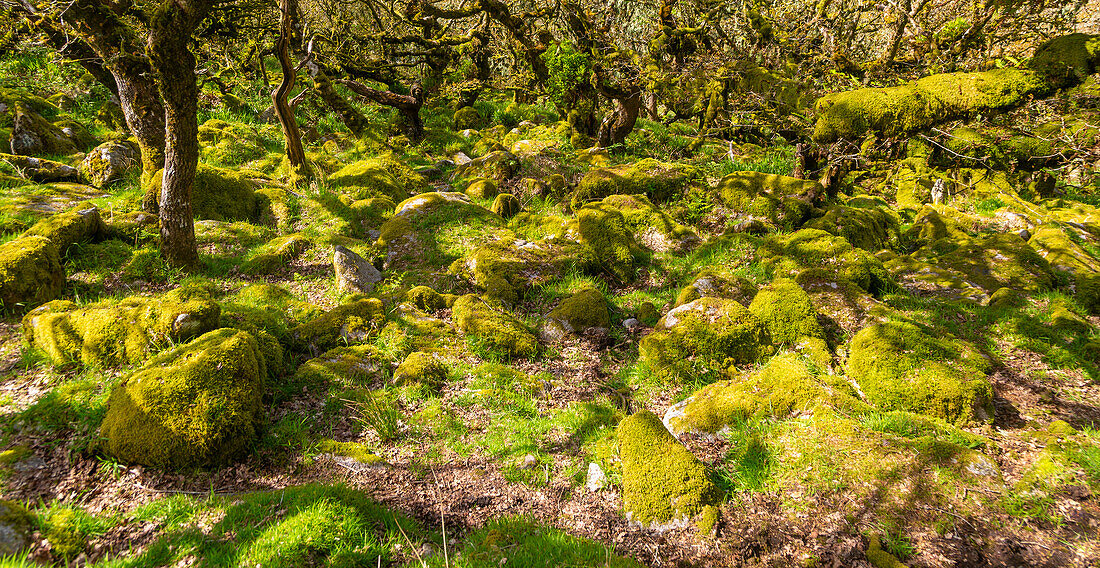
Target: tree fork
(294,150)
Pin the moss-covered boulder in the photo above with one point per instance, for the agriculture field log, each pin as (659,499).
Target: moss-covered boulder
(784,201)
(656,180)
(110,162)
(196,405)
(717,283)
(992,262)
(30,273)
(69,228)
(482,189)
(607,241)
(576,314)
(351,366)
(350,323)
(506,268)
(933,223)
(120,332)
(38,169)
(497,329)
(784,387)
(1054,243)
(813,248)
(506,205)
(425,298)
(229,144)
(276,254)
(218,195)
(900,366)
(436,228)
(384,176)
(32,135)
(77,134)
(790,319)
(498,165)
(870,229)
(651,225)
(845,307)
(467,117)
(421,368)
(662,481)
(703,338)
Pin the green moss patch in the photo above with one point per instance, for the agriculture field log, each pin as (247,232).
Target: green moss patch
(217,194)
(782,200)
(656,180)
(813,248)
(196,405)
(899,366)
(384,176)
(500,330)
(30,273)
(662,480)
(354,322)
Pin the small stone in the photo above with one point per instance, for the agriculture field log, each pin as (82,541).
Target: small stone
(632,324)
(529,462)
(597,480)
(353,272)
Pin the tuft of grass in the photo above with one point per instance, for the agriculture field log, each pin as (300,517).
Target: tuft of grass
(379,412)
(748,465)
(520,541)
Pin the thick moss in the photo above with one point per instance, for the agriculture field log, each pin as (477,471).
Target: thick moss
(482,189)
(229,143)
(1054,244)
(656,180)
(878,557)
(608,243)
(507,205)
(110,162)
(583,310)
(217,195)
(933,223)
(717,283)
(846,308)
(870,229)
(912,107)
(814,248)
(421,368)
(384,176)
(790,319)
(707,335)
(354,366)
(1067,60)
(467,118)
(33,135)
(69,228)
(662,480)
(15,528)
(900,367)
(779,199)
(426,299)
(120,332)
(499,329)
(353,322)
(498,165)
(783,387)
(276,254)
(508,267)
(651,226)
(30,273)
(993,262)
(196,405)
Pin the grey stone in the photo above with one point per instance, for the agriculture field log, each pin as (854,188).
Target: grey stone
(353,272)
(597,480)
(110,162)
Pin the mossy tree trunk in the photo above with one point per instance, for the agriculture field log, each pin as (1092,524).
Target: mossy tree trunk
(122,52)
(408,105)
(70,48)
(170,31)
(322,85)
(288,31)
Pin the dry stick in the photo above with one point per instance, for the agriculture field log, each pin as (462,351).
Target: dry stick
(408,540)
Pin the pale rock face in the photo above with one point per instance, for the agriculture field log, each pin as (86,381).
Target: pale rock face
(353,272)
(596,480)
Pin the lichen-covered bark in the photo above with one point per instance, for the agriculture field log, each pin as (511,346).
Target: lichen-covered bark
(407,105)
(352,118)
(174,64)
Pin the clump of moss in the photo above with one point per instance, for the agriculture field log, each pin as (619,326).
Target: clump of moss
(901,367)
(217,195)
(507,267)
(782,200)
(111,332)
(716,283)
(870,229)
(608,243)
(15,522)
(229,144)
(703,338)
(276,254)
(421,368)
(790,319)
(1054,244)
(426,299)
(506,205)
(656,180)
(783,387)
(69,228)
(579,312)
(845,307)
(813,248)
(499,329)
(933,223)
(30,273)
(196,405)
(650,224)
(384,176)
(992,262)
(878,557)
(353,366)
(662,480)
(482,189)
(353,322)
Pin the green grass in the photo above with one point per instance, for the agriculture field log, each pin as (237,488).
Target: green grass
(519,541)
